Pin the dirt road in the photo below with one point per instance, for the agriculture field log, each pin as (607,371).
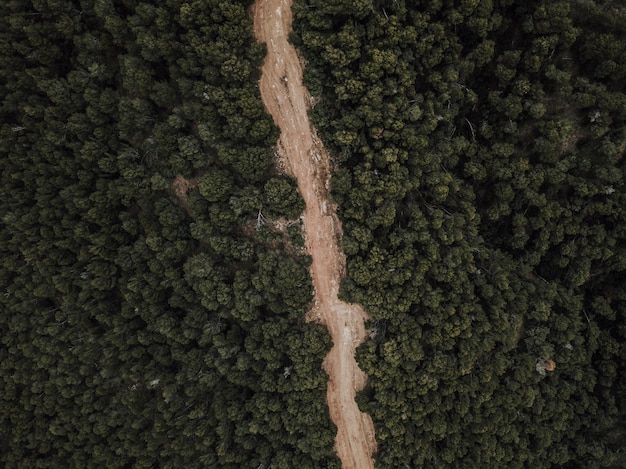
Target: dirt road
(303,155)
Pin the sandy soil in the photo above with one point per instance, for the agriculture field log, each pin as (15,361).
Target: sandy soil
(302,154)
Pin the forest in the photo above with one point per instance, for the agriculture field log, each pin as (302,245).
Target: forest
(148,320)
(479,149)
(152,307)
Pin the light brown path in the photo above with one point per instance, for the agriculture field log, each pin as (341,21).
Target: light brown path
(303,156)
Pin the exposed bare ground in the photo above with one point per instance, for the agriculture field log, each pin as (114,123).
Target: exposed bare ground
(302,154)
(181,186)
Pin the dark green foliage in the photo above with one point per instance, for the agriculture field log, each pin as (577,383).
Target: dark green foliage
(481,188)
(281,197)
(480,180)
(146,324)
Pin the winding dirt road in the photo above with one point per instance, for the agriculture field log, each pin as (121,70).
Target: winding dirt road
(303,155)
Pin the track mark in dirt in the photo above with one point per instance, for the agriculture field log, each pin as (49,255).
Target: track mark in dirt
(302,154)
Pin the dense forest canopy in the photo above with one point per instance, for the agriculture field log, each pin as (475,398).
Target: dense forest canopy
(152,313)
(147,319)
(479,151)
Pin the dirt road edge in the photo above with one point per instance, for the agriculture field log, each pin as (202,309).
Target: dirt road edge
(303,156)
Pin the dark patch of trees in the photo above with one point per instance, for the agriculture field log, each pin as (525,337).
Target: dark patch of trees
(136,330)
(480,181)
